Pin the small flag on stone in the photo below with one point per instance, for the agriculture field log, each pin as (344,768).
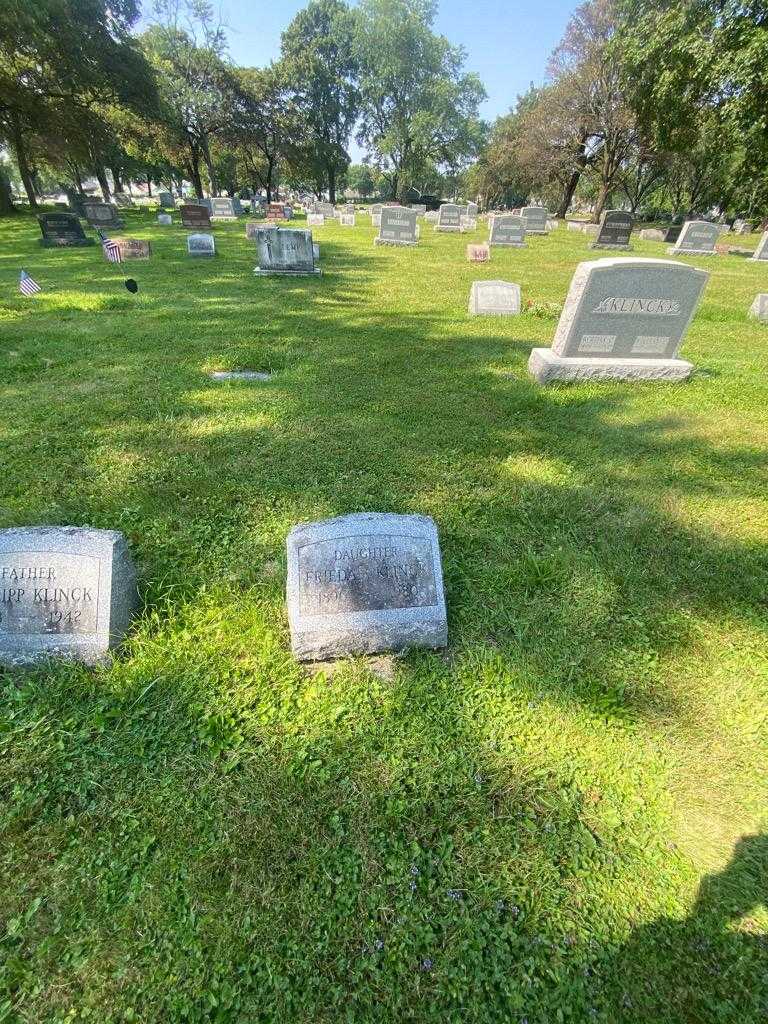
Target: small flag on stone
(111,249)
(27,284)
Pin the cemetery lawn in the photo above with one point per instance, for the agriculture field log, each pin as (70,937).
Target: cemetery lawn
(560,818)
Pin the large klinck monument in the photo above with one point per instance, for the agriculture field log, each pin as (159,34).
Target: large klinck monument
(623,319)
(364,583)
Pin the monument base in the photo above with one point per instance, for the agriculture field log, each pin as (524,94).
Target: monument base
(508,245)
(393,241)
(546,366)
(691,252)
(609,245)
(286,273)
(449,228)
(67,245)
(529,231)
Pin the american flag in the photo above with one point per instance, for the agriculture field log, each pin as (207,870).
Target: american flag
(27,284)
(111,249)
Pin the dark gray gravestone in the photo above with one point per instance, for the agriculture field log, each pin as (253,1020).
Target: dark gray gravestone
(285,251)
(64,591)
(448,218)
(201,245)
(61,230)
(237,206)
(103,215)
(222,209)
(195,215)
(507,230)
(365,583)
(398,226)
(698,238)
(166,200)
(623,319)
(673,232)
(615,230)
(535,219)
(761,252)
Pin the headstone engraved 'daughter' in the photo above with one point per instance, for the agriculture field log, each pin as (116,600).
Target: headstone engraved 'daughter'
(623,319)
(507,231)
(364,583)
(615,230)
(64,591)
(397,226)
(62,230)
(698,238)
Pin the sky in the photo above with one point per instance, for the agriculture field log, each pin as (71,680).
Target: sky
(507,41)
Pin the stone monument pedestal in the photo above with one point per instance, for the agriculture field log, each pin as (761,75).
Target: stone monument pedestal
(547,367)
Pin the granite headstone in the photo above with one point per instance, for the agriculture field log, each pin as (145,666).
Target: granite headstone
(61,230)
(448,218)
(398,226)
(535,219)
(285,251)
(494,298)
(195,215)
(507,230)
(698,238)
(615,230)
(201,244)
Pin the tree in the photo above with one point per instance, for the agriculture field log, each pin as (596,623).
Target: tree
(260,123)
(319,61)
(61,57)
(417,106)
(361,180)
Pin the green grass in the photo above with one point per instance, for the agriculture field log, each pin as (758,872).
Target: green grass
(561,818)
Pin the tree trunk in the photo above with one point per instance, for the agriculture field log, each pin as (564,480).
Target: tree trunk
(194,167)
(331,184)
(6,200)
(20,149)
(270,172)
(101,177)
(209,166)
(602,199)
(149,186)
(568,192)
(116,179)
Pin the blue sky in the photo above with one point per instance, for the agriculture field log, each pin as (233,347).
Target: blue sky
(507,41)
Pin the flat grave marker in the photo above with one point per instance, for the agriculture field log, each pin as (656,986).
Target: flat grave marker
(623,319)
(65,591)
(364,583)
(134,248)
(479,253)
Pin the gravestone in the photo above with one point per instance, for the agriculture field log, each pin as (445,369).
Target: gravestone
(258,208)
(697,238)
(122,200)
(165,219)
(222,208)
(761,252)
(419,208)
(315,220)
(535,219)
(134,248)
(201,244)
(76,200)
(237,206)
(507,230)
(672,233)
(431,216)
(365,583)
(759,308)
(347,220)
(473,210)
(275,211)
(207,203)
(397,227)
(573,225)
(623,319)
(553,224)
(467,223)
(287,212)
(652,235)
(103,215)
(479,253)
(376,209)
(448,218)
(741,227)
(65,591)
(614,231)
(61,230)
(494,298)
(285,251)
(195,215)
(251,227)
(328,210)
(166,200)
(376,220)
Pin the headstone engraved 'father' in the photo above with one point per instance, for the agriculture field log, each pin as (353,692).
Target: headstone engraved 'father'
(64,590)
(507,230)
(697,238)
(365,583)
(761,252)
(285,251)
(398,226)
(535,219)
(61,230)
(222,208)
(195,215)
(623,319)
(615,230)
(448,218)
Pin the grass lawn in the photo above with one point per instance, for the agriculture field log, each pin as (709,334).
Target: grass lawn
(562,818)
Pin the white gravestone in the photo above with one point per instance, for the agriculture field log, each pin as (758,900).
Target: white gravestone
(473,210)
(507,230)
(448,218)
(315,220)
(761,252)
(697,238)
(64,591)
(285,251)
(222,209)
(165,219)
(535,219)
(759,308)
(494,298)
(623,319)
(364,583)
(347,220)
(652,235)
(201,244)
(398,226)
